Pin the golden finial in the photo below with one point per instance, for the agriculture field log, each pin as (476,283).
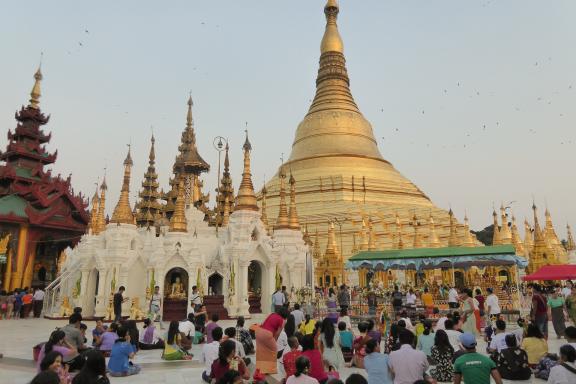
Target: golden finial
(468,237)
(246,195)
(282,222)
(400,243)
(528,240)
(332,251)
(331,42)
(101,217)
(36,93)
(453,240)
(178,220)
(416,243)
(123,211)
(293,215)
(226,216)
(505,233)
(434,240)
(538,235)
(93,225)
(570,244)
(264,216)
(189,121)
(516,241)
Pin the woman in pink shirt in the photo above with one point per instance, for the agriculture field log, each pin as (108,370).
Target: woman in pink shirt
(315,357)
(266,336)
(58,343)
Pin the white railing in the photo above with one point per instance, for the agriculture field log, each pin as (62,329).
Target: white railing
(52,291)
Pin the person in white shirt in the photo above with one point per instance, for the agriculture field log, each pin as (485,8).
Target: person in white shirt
(407,364)
(453,298)
(230,333)
(492,304)
(38,302)
(411,298)
(453,336)
(278,300)
(298,315)
(346,319)
(498,342)
(195,299)
(440,322)
(210,353)
(187,327)
(565,371)
(155,305)
(567,290)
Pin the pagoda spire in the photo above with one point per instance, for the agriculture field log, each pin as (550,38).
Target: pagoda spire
(101,217)
(541,253)
(283,221)
(528,240)
(332,253)
(549,232)
(123,212)
(264,216)
(246,195)
(468,237)
(516,240)
(496,240)
(570,244)
(453,240)
(36,92)
(293,215)
(148,206)
(226,216)
(434,241)
(416,243)
(225,190)
(505,233)
(178,220)
(93,225)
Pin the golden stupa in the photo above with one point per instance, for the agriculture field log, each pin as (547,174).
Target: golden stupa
(340,173)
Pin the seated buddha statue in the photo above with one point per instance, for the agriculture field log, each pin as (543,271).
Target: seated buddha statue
(177,290)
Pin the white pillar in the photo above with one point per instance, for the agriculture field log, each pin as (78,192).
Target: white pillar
(243,307)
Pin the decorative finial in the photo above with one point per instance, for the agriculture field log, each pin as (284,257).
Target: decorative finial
(123,211)
(331,42)
(36,93)
(282,222)
(293,215)
(189,114)
(246,195)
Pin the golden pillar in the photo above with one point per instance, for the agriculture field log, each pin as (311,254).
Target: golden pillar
(29,270)
(8,273)
(16,278)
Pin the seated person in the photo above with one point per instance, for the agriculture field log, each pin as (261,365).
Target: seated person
(108,339)
(210,353)
(244,336)
(227,361)
(122,351)
(289,358)
(346,340)
(97,332)
(150,338)
(173,349)
(512,362)
(187,328)
(57,342)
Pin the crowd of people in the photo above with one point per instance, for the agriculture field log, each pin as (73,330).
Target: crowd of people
(402,344)
(21,303)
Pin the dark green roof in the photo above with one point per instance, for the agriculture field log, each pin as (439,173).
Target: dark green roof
(13,204)
(25,172)
(434,252)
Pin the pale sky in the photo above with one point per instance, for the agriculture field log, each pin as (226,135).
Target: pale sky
(471,100)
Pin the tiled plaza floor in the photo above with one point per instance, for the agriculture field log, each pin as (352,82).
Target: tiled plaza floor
(18,336)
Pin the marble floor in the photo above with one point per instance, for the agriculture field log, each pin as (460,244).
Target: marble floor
(18,336)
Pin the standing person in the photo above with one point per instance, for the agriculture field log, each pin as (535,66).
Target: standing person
(10,299)
(407,364)
(118,300)
(556,305)
(38,302)
(266,336)
(492,304)
(571,305)
(3,304)
(359,345)
(480,299)
(119,364)
(513,361)
(244,336)
(442,353)
(567,290)
(286,297)
(397,300)
(539,310)
(453,298)
(428,301)
(278,300)
(473,367)
(155,305)
(534,344)
(331,306)
(196,299)
(298,315)
(468,318)
(27,303)
(17,303)
(330,340)
(376,365)
(344,297)
(565,371)
(411,299)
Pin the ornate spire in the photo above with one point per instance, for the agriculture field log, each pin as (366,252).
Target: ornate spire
(332,253)
(549,232)
(453,240)
(316,253)
(178,220)
(226,190)
(434,241)
(101,217)
(516,240)
(528,240)
(505,233)
(282,222)
(246,195)
(331,42)
(496,240)
(264,216)
(293,215)
(123,212)
(570,244)
(93,225)
(226,217)
(400,243)
(36,93)
(541,252)
(306,236)
(468,237)
(148,206)
(416,243)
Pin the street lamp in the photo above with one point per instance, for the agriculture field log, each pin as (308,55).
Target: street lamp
(220,144)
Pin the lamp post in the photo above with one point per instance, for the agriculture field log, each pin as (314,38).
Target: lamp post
(219,143)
